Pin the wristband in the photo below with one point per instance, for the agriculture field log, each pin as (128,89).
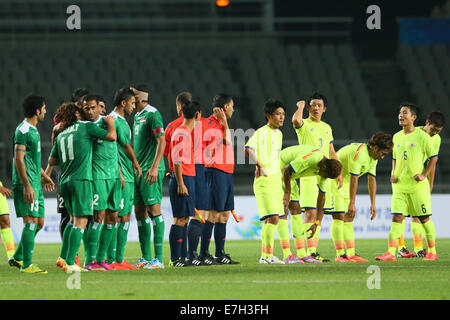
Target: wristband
(317,222)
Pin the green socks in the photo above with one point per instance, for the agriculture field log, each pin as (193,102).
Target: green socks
(76,234)
(283,233)
(26,245)
(158,236)
(145,233)
(112,248)
(122,235)
(92,238)
(267,237)
(105,239)
(65,241)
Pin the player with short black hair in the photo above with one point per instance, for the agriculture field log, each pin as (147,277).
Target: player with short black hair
(219,162)
(410,186)
(313,131)
(26,176)
(149,146)
(264,148)
(182,181)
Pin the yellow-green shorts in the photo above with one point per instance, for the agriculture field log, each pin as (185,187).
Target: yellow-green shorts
(341,197)
(269,196)
(4,209)
(417,204)
(309,192)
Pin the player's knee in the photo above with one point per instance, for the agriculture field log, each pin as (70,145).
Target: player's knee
(223,217)
(4,221)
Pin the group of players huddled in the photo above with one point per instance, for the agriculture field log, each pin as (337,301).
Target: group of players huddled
(104,167)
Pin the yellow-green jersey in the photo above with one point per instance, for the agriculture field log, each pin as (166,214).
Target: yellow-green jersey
(266,143)
(356,161)
(435,141)
(304,162)
(318,134)
(410,152)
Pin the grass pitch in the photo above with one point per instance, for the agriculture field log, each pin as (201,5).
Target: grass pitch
(404,279)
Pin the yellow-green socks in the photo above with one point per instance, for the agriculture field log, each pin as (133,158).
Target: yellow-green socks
(349,238)
(267,238)
(401,240)
(337,234)
(8,241)
(283,233)
(430,235)
(394,234)
(298,231)
(417,231)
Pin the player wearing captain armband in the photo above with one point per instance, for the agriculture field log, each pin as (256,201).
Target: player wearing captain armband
(263,149)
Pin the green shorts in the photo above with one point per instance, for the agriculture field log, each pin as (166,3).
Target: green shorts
(23,209)
(341,197)
(309,191)
(417,204)
(107,194)
(269,197)
(4,209)
(78,196)
(148,194)
(126,204)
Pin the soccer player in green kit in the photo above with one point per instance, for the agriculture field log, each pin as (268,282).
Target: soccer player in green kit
(27,174)
(299,162)
(357,159)
(264,148)
(149,146)
(434,124)
(410,186)
(125,103)
(313,131)
(73,151)
(107,188)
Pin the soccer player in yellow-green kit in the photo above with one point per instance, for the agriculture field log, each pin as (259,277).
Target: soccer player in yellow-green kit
(434,124)
(357,159)
(410,186)
(149,146)
(264,148)
(298,162)
(27,175)
(5,227)
(313,131)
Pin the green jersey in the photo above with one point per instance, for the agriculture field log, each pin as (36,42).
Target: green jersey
(266,143)
(148,125)
(124,138)
(356,161)
(410,152)
(304,162)
(105,158)
(318,134)
(73,149)
(27,135)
